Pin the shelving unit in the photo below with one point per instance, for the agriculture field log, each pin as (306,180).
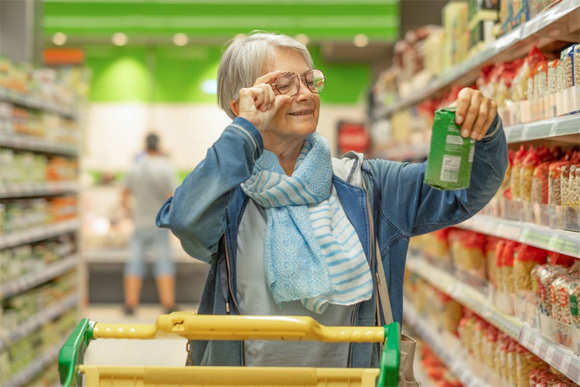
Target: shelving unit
(542,30)
(44,360)
(43,189)
(37,321)
(38,233)
(31,280)
(444,349)
(557,356)
(19,286)
(565,242)
(563,129)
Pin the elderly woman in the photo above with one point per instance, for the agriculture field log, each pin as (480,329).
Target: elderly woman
(287,229)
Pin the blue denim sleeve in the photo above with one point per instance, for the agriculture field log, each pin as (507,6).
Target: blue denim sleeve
(416,208)
(196,213)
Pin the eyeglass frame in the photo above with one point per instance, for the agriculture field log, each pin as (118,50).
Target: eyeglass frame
(301,80)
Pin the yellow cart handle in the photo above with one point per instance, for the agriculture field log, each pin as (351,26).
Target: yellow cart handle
(210,327)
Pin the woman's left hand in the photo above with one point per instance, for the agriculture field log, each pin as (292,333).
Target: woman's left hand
(475,113)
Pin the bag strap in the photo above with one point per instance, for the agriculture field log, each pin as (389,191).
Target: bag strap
(383,300)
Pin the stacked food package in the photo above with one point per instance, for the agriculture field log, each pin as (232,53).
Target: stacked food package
(25,214)
(437,372)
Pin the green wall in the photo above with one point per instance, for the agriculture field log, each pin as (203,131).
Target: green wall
(176,75)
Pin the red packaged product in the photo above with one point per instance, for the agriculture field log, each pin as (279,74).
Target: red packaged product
(527,257)
(516,171)
(561,259)
(499,263)
(508,254)
(554,183)
(540,183)
(529,164)
(491,260)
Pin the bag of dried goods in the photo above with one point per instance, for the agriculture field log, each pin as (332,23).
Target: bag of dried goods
(561,259)
(505,188)
(568,192)
(490,346)
(455,248)
(472,255)
(573,296)
(499,264)
(545,275)
(529,164)
(501,356)
(507,259)
(520,91)
(512,370)
(524,366)
(560,290)
(490,259)
(567,60)
(554,184)
(452,312)
(439,245)
(527,257)
(519,157)
(540,183)
(575,184)
(465,331)
(479,338)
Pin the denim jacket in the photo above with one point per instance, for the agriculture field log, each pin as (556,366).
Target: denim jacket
(392,206)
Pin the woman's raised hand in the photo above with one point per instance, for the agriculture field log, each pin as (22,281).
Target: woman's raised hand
(258,104)
(475,113)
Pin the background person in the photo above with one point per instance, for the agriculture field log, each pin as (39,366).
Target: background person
(151,180)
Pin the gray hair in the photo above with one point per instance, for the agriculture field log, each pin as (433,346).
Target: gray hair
(244,60)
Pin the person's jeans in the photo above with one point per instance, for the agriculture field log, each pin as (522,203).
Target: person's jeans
(150,239)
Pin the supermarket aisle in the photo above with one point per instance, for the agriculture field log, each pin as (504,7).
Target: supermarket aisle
(134,352)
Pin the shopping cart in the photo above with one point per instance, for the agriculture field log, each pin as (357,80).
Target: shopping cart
(207,327)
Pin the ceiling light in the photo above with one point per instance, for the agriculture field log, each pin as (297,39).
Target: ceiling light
(303,38)
(59,39)
(120,39)
(180,39)
(361,40)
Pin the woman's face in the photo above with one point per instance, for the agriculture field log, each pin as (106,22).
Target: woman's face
(299,117)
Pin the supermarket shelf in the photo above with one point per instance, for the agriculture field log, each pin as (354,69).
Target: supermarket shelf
(555,127)
(121,256)
(35,144)
(445,350)
(44,360)
(39,189)
(548,24)
(37,321)
(34,103)
(557,356)
(28,281)
(38,233)
(565,242)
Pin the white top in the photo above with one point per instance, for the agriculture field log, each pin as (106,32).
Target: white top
(255,299)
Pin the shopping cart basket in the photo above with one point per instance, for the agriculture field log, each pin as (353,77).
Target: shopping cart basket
(207,327)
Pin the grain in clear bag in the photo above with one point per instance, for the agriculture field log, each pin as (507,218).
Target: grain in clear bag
(526,259)
(554,184)
(540,183)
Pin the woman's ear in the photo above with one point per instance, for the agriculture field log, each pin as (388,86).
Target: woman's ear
(235,106)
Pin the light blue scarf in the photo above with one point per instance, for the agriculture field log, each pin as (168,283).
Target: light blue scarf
(312,252)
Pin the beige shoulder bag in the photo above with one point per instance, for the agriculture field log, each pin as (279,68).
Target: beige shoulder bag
(408,344)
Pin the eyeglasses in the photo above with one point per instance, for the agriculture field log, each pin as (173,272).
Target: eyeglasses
(288,83)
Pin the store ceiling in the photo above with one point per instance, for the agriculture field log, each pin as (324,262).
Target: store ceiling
(216,21)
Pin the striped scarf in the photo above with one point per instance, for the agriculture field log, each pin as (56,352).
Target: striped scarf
(312,252)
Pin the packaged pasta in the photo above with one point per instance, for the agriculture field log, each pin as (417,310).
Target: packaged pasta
(452,312)
(499,264)
(501,356)
(516,171)
(529,164)
(466,330)
(562,289)
(560,259)
(491,333)
(567,190)
(439,245)
(490,259)
(512,370)
(508,254)
(479,339)
(567,63)
(554,184)
(553,76)
(527,257)
(471,255)
(540,183)
(523,367)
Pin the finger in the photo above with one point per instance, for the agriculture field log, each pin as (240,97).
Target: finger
(472,113)
(478,126)
(463,101)
(281,100)
(268,77)
(268,94)
(255,93)
(490,119)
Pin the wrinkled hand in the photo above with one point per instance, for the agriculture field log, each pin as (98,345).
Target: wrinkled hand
(475,113)
(258,104)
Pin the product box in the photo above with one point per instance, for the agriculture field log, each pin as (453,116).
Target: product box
(481,35)
(483,10)
(456,25)
(451,156)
